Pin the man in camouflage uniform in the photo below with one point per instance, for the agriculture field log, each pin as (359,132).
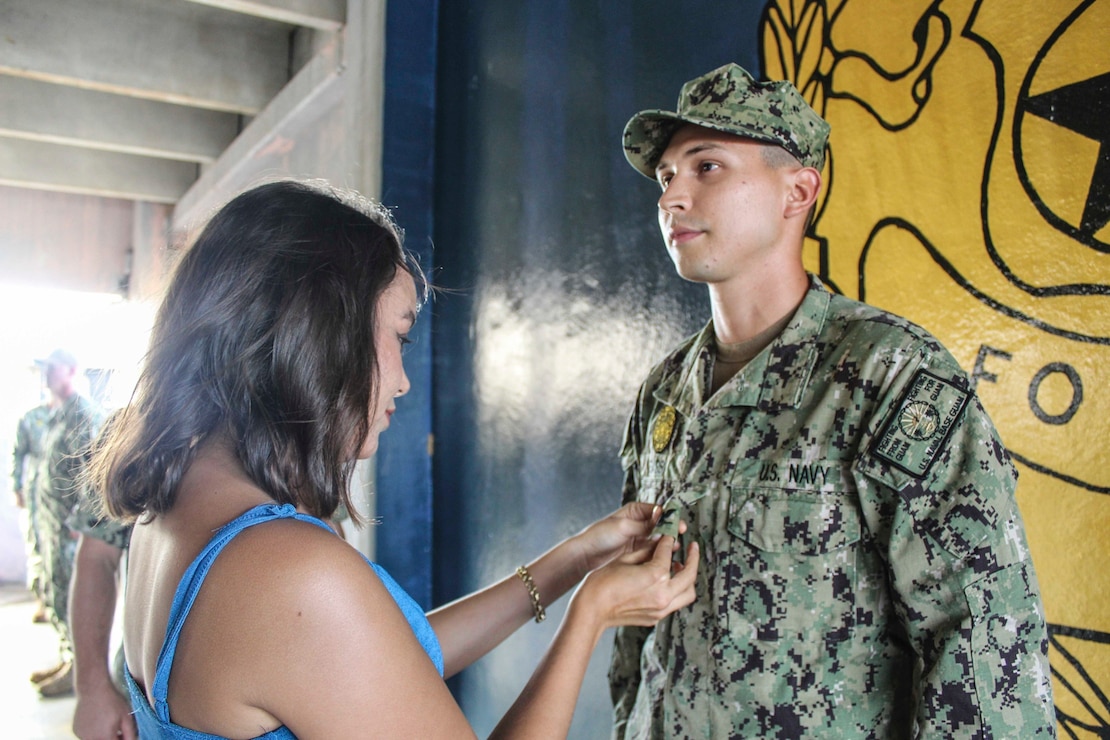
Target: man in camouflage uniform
(103,709)
(25,463)
(865,570)
(66,446)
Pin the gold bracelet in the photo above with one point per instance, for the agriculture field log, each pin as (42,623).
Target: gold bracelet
(537,607)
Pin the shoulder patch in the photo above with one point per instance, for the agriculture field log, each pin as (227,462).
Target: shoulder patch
(918,429)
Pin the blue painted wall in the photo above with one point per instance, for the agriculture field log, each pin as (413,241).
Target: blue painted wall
(559,292)
(404,471)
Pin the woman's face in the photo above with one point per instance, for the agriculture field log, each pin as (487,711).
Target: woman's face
(396,315)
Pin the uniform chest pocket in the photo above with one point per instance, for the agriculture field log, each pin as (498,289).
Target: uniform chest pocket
(788,566)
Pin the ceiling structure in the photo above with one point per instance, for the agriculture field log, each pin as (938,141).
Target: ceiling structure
(140,99)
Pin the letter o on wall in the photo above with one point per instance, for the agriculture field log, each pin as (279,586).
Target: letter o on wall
(1076,392)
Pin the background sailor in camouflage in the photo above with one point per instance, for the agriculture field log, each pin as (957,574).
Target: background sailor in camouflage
(66,448)
(26,455)
(865,568)
(103,708)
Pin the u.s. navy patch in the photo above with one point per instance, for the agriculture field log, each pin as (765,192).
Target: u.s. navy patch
(663,428)
(920,426)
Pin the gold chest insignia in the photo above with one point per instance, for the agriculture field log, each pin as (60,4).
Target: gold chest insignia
(663,429)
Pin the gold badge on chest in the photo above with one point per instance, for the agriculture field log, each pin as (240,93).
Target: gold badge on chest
(663,429)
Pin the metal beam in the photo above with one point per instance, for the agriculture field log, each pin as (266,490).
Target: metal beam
(323,15)
(167,51)
(310,86)
(59,114)
(31,164)
(364,91)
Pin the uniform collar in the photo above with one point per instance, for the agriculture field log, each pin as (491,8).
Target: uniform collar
(75,401)
(776,377)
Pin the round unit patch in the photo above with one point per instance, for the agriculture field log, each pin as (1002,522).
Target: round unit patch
(919,420)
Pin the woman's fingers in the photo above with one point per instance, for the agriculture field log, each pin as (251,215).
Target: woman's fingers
(639,511)
(618,532)
(675,589)
(679,575)
(686,574)
(645,549)
(626,535)
(652,587)
(662,552)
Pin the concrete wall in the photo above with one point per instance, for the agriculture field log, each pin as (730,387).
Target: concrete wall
(66,241)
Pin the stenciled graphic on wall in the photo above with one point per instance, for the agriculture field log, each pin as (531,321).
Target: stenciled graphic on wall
(968,189)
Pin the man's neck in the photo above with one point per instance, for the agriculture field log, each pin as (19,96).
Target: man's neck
(744,307)
(62,396)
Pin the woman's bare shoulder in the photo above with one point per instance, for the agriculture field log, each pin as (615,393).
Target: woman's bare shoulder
(311,632)
(287,564)
(286,608)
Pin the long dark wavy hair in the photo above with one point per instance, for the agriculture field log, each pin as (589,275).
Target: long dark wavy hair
(266,336)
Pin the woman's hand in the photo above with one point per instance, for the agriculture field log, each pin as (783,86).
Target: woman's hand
(624,531)
(470,627)
(640,587)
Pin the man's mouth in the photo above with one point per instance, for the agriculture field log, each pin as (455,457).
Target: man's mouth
(681,235)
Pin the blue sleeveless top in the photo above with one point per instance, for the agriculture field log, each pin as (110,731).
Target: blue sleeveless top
(155,722)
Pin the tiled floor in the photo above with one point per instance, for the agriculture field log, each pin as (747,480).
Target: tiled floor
(26,648)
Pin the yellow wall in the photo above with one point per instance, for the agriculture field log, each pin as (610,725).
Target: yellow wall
(965,191)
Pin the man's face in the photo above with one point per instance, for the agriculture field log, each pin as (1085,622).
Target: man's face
(59,379)
(721,212)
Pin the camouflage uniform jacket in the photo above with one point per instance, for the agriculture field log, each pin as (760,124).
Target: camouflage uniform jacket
(28,448)
(66,449)
(88,518)
(864,565)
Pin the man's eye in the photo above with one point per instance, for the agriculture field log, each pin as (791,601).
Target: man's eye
(708,166)
(664,181)
(404,341)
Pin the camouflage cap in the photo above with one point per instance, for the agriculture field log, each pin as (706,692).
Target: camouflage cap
(729,99)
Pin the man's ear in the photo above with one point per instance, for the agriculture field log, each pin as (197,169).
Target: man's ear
(803,191)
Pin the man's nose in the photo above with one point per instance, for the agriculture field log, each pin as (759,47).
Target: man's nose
(676,197)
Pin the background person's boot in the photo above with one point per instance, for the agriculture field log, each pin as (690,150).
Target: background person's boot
(61,684)
(45,674)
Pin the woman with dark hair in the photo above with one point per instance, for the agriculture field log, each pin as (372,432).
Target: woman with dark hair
(274,364)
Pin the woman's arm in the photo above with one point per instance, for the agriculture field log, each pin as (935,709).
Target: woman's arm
(470,627)
(315,642)
(621,593)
